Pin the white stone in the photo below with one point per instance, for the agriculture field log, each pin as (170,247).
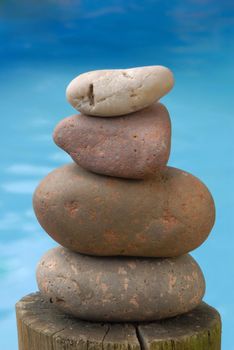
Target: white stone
(116,92)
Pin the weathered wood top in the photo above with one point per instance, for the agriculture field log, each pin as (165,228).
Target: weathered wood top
(43,327)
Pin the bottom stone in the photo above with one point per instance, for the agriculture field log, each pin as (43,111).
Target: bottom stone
(41,326)
(120,289)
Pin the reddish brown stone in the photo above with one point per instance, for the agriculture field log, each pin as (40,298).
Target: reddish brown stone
(133,146)
(120,289)
(164,216)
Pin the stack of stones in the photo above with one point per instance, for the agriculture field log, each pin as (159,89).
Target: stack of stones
(125,220)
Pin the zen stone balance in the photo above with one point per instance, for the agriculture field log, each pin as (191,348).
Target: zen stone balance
(124,219)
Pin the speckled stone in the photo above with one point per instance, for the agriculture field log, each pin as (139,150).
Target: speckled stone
(114,92)
(120,289)
(134,146)
(164,216)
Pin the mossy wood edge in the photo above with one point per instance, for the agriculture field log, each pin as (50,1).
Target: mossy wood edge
(43,327)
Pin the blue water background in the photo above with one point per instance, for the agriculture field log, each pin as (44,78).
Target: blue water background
(43,46)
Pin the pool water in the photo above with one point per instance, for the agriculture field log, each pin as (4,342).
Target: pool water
(43,46)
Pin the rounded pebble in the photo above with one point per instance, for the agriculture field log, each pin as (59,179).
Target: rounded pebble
(115,92)
(164,216)
(133,146)
(114,289)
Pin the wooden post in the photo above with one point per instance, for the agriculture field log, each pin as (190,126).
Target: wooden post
(43,327)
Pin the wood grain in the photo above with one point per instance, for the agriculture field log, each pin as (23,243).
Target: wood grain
(41,326)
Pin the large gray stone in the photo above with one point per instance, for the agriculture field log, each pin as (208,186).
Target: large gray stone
(120,288)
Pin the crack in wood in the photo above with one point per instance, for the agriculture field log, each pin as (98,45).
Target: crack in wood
(140,339)
(107,331)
